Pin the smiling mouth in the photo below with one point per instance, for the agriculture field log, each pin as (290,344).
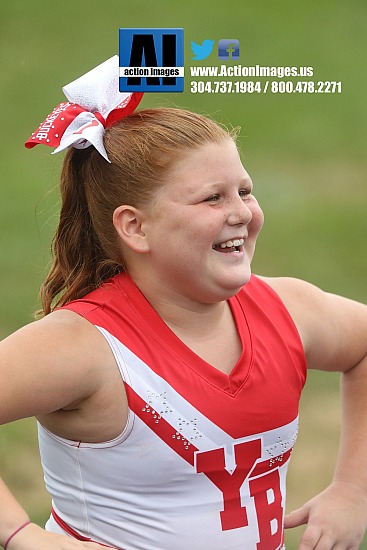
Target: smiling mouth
(229,246)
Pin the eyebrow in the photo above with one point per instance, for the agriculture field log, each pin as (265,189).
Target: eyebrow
(246,182)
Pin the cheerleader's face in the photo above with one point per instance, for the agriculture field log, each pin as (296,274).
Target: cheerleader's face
(203,224)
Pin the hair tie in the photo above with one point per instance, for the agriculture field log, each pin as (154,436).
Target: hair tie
(94,103)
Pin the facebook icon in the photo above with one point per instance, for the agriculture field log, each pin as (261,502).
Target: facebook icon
(228,49)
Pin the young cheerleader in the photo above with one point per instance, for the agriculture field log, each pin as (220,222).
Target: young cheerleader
(164,376)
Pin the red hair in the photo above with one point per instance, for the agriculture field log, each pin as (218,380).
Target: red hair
(142,148)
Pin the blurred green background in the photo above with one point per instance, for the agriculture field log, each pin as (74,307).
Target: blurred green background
(306,154)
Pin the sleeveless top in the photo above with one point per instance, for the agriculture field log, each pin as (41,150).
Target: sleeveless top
(202,460)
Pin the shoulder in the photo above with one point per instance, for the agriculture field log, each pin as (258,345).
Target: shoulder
(50,364)
(62,328)
(72,337)
(291,285)
(295,293)
(333,329)
(302,300)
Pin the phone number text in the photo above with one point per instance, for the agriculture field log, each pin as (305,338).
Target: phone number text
(269,86)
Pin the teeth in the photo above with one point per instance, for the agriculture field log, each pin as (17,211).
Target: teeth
(230,244)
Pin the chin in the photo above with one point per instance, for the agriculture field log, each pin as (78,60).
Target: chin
(229,290)
(236,283)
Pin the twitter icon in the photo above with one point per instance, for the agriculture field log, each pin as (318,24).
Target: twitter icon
(202,51)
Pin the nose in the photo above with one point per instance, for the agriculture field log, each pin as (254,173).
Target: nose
(239,211)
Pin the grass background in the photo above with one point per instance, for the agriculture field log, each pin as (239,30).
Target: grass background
(306,154)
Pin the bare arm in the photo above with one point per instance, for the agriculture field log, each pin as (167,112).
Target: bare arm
(45,367)
(334,333)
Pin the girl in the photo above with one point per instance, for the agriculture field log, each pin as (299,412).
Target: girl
(166,378)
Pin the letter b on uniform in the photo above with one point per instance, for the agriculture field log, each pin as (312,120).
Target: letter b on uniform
(151,60)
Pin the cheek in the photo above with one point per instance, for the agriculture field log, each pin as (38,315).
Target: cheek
(257,218)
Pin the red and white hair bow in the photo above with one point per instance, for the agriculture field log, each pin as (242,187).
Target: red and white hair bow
(95,103)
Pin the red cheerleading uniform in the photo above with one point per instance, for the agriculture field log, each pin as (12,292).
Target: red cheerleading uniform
(203,458)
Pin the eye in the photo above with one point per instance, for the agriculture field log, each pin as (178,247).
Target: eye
(212,198)
(244,193)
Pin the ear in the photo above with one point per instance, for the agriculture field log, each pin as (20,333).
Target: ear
(128,222)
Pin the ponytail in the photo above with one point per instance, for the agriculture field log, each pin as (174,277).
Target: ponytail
(80,265)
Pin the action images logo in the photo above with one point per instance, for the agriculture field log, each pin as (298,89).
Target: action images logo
(151,60)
